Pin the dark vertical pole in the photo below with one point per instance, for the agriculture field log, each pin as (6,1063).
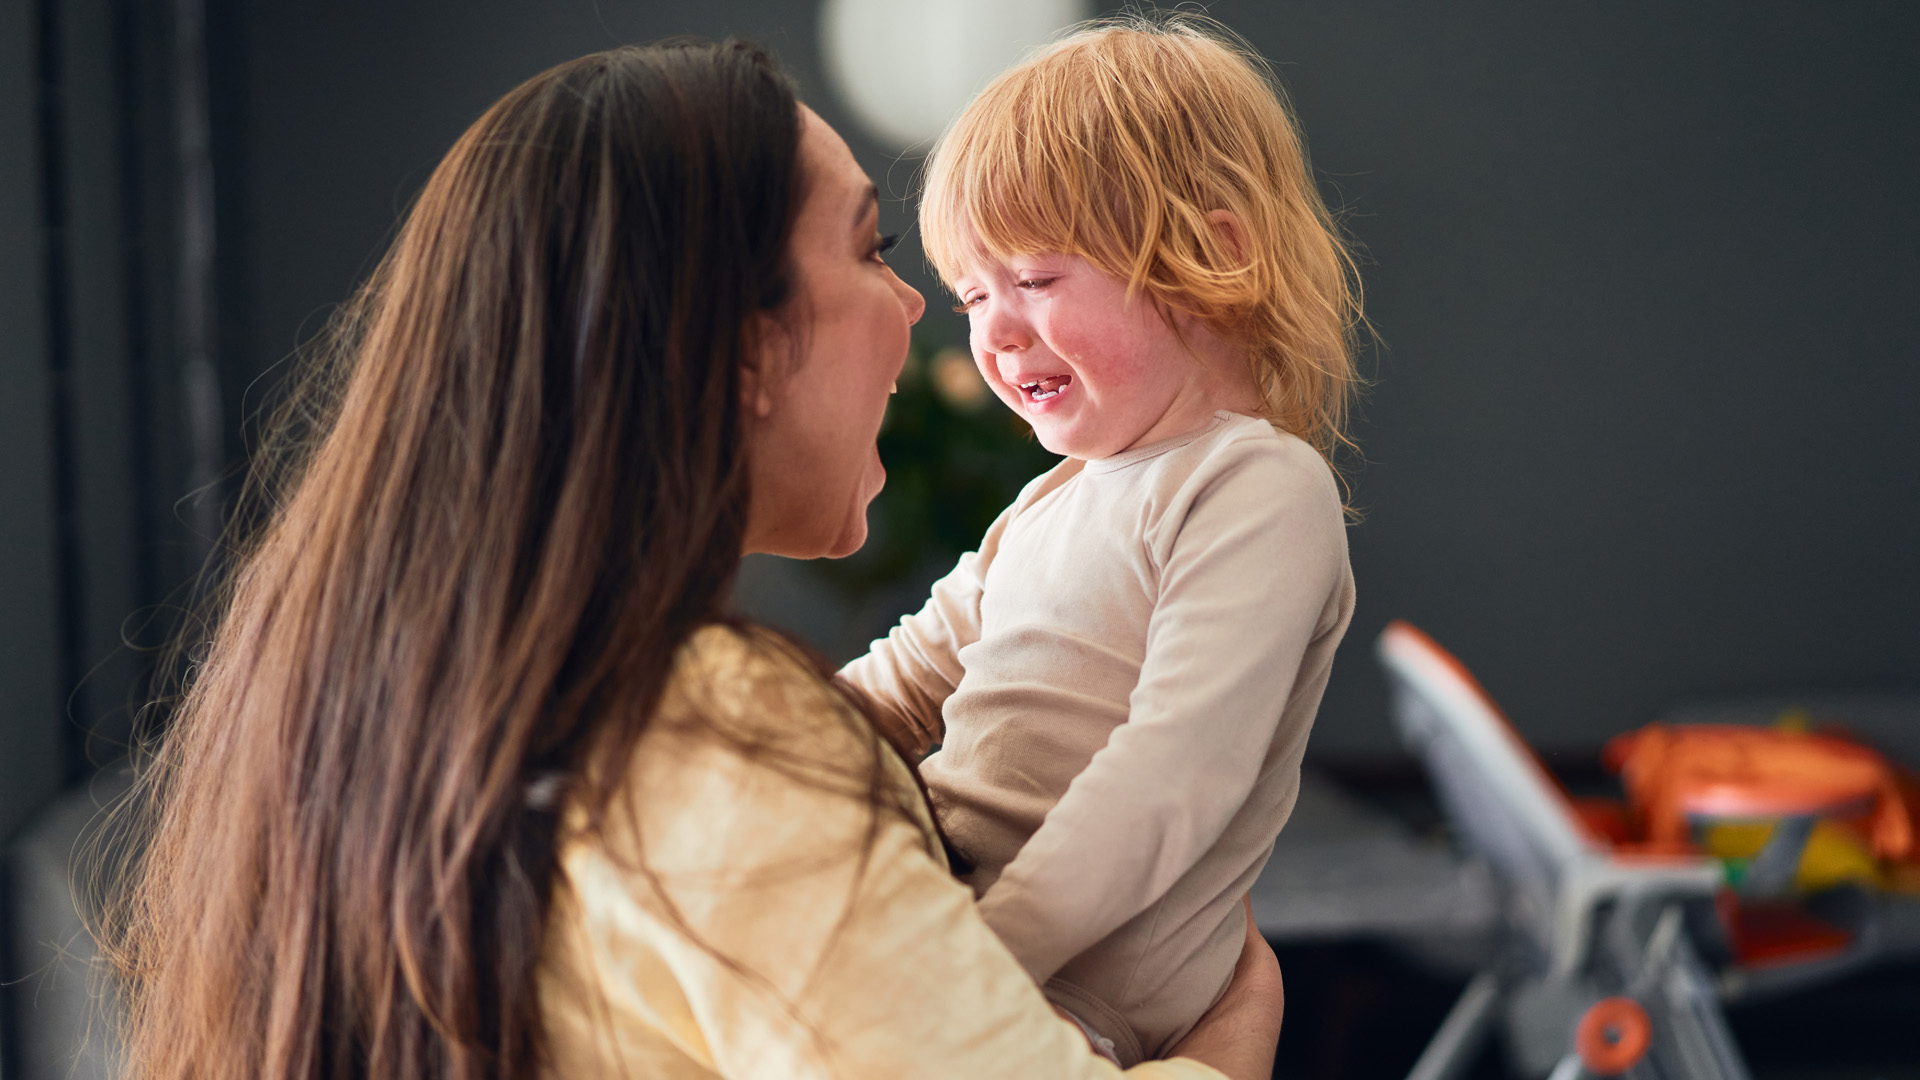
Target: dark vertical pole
(69,588)
(197,319)
(130,67)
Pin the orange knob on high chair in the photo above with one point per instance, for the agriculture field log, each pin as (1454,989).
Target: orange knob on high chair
(1613,1036)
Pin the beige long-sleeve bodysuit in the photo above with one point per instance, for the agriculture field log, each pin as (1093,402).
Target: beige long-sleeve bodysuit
(1121,681)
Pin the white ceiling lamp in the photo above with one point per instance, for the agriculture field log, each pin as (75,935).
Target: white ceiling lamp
(905,68)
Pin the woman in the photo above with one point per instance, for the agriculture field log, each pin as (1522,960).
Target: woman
(477,779)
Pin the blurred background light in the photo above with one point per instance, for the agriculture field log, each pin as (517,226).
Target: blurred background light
(905,67)
(958,380)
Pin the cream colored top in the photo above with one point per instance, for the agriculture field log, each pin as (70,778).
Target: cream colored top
(1122,680)
(834,965)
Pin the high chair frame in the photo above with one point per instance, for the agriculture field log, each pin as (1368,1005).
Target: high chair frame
(1602,972)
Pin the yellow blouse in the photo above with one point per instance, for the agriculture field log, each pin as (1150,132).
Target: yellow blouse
(742,912)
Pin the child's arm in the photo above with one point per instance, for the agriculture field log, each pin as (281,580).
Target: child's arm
(1256,574)
(910,673)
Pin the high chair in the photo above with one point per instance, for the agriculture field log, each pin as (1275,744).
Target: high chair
(1602,973)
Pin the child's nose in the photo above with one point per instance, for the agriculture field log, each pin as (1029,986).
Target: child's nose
(1004,333)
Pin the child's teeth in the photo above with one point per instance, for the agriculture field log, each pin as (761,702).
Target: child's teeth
(1042,389)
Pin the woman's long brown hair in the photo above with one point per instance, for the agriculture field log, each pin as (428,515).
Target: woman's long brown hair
(527,490)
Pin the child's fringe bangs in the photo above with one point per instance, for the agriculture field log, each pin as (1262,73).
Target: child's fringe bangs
(987,196)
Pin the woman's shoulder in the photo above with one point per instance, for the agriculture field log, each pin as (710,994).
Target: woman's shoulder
(734,667)
(742,673)
(738,648)
(749,737)
(755,691)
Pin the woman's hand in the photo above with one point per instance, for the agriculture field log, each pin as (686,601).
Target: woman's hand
(1239,1034)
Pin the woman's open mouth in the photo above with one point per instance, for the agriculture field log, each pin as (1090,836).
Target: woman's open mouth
(1042,389)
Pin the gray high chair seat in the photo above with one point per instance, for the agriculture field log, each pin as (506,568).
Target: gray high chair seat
(1601,970)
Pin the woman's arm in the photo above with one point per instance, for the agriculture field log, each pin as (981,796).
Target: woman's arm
(1240,1034)
(736,912)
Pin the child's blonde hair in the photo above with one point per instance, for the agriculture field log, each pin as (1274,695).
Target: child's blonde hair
(1116,143)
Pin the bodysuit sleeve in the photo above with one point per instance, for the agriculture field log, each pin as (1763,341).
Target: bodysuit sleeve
(1250,576)
(910,673)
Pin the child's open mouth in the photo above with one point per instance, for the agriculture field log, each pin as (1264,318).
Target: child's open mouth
(1042,389)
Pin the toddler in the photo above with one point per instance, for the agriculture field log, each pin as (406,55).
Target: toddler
(1122,678)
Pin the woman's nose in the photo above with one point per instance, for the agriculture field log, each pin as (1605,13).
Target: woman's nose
(911,300)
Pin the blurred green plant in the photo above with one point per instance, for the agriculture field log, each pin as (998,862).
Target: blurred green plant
(955,458)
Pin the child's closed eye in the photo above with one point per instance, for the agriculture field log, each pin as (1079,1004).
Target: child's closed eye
(973,300)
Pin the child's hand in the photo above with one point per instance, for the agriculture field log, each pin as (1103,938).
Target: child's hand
(1239,1035)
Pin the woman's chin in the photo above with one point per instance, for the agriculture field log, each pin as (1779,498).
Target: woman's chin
(852,539)
(853,536)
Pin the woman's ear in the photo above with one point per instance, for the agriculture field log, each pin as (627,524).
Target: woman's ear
(753,394)
(756,374)
(1226,225)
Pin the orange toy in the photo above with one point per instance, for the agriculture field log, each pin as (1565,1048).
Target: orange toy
(1674,774)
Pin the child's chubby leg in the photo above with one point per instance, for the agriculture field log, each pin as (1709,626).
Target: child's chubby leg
(1099,1043)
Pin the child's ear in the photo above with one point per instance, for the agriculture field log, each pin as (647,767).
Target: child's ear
(1226,224)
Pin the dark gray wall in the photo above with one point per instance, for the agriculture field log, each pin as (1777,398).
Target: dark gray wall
(109,441)
(1645,275)
(84,437)
(30,760)
(67,509)
(349,105)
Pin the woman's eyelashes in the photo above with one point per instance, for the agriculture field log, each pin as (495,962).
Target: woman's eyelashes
(884,244)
